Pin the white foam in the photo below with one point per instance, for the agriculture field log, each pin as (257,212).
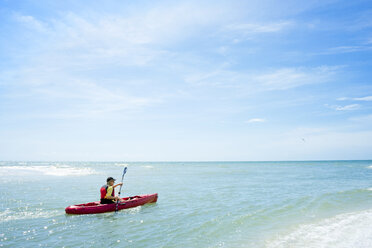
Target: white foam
(121,164)
(369,167)
(342,231)
(148,166)
(53,170)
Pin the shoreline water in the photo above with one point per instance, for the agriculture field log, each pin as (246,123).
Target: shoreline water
(201,204)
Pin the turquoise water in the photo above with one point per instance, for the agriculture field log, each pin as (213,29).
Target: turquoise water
(201,204)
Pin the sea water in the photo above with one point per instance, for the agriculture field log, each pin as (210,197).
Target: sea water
(201,204)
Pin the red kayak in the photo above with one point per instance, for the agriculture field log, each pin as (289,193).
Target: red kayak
(96,207)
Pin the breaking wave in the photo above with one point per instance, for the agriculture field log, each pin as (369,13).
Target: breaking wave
(342,231)
(52,170)
(121,164)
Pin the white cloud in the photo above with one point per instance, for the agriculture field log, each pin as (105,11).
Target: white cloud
(241,31)
(347,49)
(137,39)
(286,78)
(104,39)
(94,100)
(31,22)
(348,107)
(344,108)
(366,98)
(71,47)
(254,120)
(246,29)
(278,79)
(65,94)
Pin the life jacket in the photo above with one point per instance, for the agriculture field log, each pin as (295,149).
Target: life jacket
(104,191)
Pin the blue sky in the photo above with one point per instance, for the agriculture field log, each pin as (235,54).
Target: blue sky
(185,80)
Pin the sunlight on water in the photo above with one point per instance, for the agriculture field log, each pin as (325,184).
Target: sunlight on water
(22,214)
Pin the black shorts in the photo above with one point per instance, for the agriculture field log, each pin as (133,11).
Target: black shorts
(106,201)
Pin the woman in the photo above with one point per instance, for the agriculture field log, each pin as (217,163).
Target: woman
(108,192)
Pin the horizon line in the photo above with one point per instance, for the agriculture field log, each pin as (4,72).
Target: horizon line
(182,161)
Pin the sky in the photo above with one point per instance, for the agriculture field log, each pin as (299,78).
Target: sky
(185,80)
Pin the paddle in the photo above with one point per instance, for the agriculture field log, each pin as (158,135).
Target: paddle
(122,178)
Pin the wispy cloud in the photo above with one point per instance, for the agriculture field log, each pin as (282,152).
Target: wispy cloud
(347,49)
(72,48)
(287,78)
(246,30)
(97,41)
(344,108)
(278,79)
(72,51)
(348,107)
(31,22)
(239,32)
(255,120)
(76,98)
(364,99)
(134,39)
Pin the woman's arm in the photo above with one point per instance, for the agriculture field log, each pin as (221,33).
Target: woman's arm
(117,185)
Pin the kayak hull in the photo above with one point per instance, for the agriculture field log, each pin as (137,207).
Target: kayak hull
(96,207)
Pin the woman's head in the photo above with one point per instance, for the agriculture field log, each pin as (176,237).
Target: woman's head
(110,181)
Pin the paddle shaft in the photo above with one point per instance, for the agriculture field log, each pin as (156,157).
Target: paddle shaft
(122,178)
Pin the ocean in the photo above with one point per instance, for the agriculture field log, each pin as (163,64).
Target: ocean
(201,204)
